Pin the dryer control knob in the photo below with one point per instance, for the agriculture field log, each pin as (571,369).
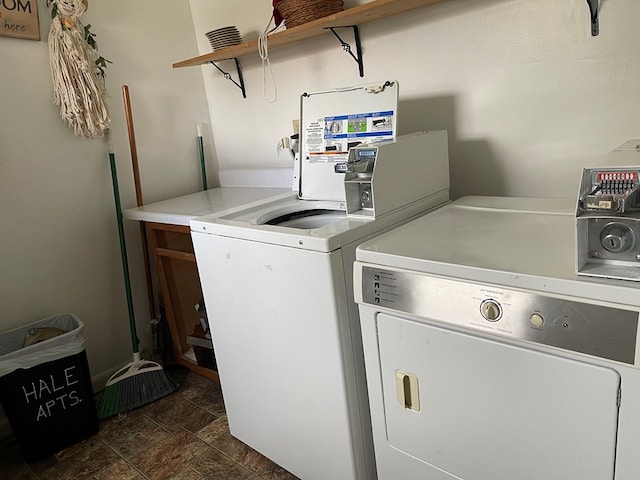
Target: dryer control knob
(490,310)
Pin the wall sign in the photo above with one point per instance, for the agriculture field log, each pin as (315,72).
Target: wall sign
(19,18)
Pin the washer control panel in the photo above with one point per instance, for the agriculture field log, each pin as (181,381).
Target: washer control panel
(575,325)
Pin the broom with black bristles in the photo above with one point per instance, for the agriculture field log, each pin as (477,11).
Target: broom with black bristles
(141,381)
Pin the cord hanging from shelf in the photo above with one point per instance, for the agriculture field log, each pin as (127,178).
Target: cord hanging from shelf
(263,51)
(593,10)
(227,75)
(347,48)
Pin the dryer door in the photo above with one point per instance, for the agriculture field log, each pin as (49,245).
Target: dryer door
(483,410)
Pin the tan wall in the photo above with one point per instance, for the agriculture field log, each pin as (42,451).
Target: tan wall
(59,244)
(527,94)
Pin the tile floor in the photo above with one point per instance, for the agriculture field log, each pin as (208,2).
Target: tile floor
(183,436)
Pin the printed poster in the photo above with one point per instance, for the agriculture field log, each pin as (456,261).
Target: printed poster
(330,138)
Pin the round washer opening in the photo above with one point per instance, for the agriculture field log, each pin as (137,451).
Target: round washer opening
(314,218)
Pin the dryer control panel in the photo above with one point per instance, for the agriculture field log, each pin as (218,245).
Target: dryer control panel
(574,325)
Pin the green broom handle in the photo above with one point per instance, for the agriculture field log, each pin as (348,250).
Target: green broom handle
(203,168)
(135,341)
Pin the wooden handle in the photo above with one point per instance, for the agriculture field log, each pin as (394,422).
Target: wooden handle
(132,144)
(136,179)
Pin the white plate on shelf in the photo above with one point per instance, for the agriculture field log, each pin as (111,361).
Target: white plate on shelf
(225,44)
(225,40)
(231,28)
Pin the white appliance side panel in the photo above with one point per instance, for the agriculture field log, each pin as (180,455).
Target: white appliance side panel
(491,411)
(275,317)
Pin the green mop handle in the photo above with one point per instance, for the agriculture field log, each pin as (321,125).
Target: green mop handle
(135,341)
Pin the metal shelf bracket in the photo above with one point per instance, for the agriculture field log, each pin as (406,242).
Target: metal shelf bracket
(593,10)
(347,48)
(227,75)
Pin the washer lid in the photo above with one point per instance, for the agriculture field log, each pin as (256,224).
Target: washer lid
(333,121)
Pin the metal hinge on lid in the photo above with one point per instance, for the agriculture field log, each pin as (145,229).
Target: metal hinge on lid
(378,88)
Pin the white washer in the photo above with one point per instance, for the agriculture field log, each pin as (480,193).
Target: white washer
(487,358)
(286,333)
(277,282)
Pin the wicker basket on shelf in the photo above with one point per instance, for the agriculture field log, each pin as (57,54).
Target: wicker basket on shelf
(298,12)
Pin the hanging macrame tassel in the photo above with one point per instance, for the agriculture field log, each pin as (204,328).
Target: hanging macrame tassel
(77,90)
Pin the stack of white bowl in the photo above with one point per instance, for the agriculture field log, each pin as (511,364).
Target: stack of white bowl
(224,37)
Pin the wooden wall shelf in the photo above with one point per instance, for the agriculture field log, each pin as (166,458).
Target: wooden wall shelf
(358,15)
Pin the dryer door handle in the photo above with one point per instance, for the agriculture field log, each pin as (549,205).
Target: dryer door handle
(407,390)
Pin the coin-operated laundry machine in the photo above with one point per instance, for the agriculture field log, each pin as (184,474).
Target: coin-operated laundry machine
(277,282)
(488,358)
(608,216)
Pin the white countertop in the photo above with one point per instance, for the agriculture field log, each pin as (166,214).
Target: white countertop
(180,210)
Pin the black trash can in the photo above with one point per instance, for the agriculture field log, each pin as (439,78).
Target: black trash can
(45,388)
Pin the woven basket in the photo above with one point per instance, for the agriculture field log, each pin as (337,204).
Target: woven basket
(298,12)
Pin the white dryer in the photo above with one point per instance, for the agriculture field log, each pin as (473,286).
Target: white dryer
(487,358)
(277,282)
